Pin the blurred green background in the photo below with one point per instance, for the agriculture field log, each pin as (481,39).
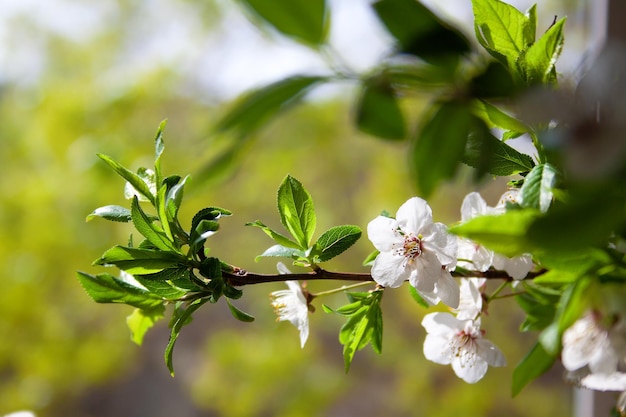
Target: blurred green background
(78,80)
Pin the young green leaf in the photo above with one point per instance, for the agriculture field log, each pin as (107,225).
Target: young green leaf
(238,314)
(487,154)
(296,211)
(256,107)
(505,233)
(537,189)
(149,229)
(378,111)
(336,240)
(278,238)
(494,117)
(168,290)
(281,251)
(140,261)
(502,30)
(419,31)
(538,61)
(111,212)
(159,147)
(141,320)
(182,316)
(135,180)
(105,288)
(304,20)
(534,364)
(440,145)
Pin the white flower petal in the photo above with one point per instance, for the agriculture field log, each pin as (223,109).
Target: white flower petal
(517,267)
(442,324)
(478,257)
(470,372)
(615,381)
(382,232)
(436,349)
(490,352)
(473,206)
(389,270)
(447,289)
(427,270)
(414,214)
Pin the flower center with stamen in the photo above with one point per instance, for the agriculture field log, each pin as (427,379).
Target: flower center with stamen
(412,247)
(463,345)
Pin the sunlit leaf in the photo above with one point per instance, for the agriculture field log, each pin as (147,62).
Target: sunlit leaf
(111,212)
(537,189)
(141,320)
(538,61)
(134,179)
(105,288)
(296,211)
(238,314)
(278,238)
(140,261)
(336,240)
(303,20)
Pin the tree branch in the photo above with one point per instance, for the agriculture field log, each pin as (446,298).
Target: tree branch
(241,277)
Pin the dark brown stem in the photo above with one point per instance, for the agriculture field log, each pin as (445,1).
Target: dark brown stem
(241,277)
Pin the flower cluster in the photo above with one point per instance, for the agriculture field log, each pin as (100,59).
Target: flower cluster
(459,341)
(476,257)
(414,248)
(593,353)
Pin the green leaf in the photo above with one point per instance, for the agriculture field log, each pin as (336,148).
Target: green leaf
(166,274)
(336,240)
(502,30)
(505,233)
(440,145)
(538,61)
(238,314)
(304,20)
(149,229)
(417,297)
(534,364)
(494,117)
(487,154)
(278,238)
(378,111)
(140,261)
(569,228)
(112,212)
(159,147)
(135,180)
(141,320)
(369,260)
(495,81)
(419,31)
(105,288)
(256,107)
(537,189)
(180,318)
(167,290)
(296,211)
(281,251)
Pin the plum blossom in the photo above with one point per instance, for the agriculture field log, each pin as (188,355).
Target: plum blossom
(473,255)
(460,343)
(592,353)
(412,247)
(471,300)
(478,258)
(291,305)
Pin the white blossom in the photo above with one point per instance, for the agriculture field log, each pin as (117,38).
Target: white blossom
(414,248)
(472,255)
(291,305)
(460,343)
(592,353)
(471,300)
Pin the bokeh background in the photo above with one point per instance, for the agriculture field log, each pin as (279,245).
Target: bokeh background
(80,78)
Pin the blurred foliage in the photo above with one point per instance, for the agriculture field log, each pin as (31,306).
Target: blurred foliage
(63,355)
